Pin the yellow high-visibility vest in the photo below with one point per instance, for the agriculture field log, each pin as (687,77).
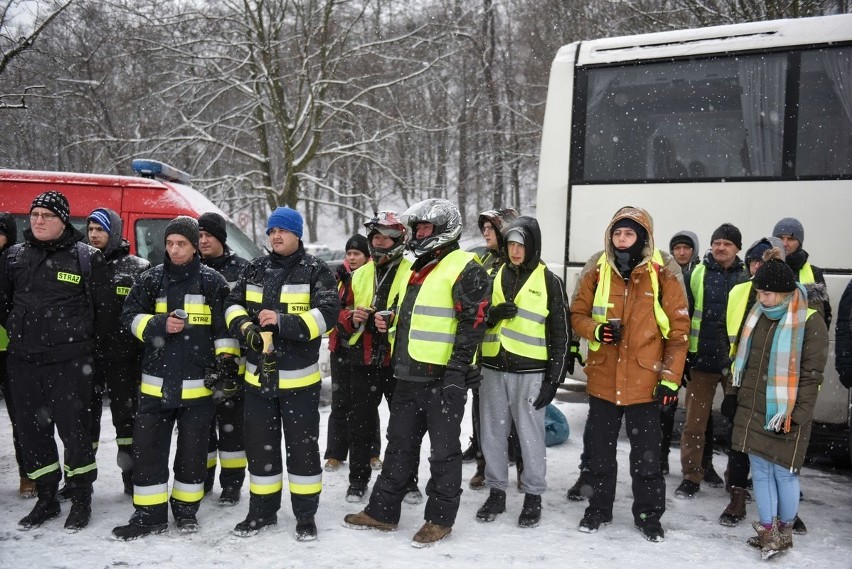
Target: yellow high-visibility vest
(364,285)
(524,334)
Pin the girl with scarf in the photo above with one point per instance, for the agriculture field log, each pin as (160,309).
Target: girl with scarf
(777,372)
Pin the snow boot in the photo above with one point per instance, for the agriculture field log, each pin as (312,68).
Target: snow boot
(735,511)
(430,534)
(135,530)
(363,520)
(230,496)
(494,505)
(27,488)
(46,508)
(775,540)
(355,493)
(477,482)
(531,512)
(652,531)
(254,523)
(711,477)
(581,489)
(687,489)
(187,525)
(306,529)
(81,509)
(593,520)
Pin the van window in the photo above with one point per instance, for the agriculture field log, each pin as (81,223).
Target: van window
(150,240)
(23,222)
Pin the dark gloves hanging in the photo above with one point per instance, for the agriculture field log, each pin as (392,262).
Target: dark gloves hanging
(666,393)
(574,355)
(545,395)
(254,341)
(224,380)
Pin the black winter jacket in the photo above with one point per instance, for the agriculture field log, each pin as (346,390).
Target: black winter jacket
(796,260)
(843,337)
(557,323)
(45,297)
(229,265)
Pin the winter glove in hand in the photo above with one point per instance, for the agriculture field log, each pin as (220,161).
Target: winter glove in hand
(666,393)
(453,379)
(254,341)
(574,355)
(606,334)
(545,395)
(473,378)
(228,371)
(729,405)
(502,311)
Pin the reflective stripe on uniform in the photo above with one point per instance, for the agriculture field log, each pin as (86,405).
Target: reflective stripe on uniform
(234,311)
(212,459)
(696,284)
(140,321)
(233,459)
(69,473)
(305,484)
(287,378)
(151,385)
(254,293)
(187,492)
(315,322)
(153,495)
(264,485)
(35,474)
(227,346)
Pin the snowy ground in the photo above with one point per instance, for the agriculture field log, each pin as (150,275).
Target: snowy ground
(693,536)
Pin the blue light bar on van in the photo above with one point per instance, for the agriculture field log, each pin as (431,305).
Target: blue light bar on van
(155,169)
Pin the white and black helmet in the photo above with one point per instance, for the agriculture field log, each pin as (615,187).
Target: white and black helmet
(443,214)
(388,224)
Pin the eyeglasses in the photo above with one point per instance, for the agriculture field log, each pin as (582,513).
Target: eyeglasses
(45,216)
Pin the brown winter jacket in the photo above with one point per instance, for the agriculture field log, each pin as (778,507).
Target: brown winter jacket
(626,373)
(749,436)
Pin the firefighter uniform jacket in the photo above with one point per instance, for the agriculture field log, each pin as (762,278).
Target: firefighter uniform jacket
(174,365)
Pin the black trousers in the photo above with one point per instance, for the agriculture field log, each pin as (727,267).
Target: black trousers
(119,379)
(418,408)
(152,435)
(297,414)
(227,444)
(643,431)
(10,407)
(47,395)
(339,435)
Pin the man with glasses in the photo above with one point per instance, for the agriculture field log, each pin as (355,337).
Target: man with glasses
(46,307)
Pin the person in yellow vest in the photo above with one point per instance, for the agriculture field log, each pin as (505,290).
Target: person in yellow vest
(708,287)
(372,288)
(780,360)
(437,326)
(634,364)
(792,234)
(524,359)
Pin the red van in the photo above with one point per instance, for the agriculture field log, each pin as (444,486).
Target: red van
(146,203)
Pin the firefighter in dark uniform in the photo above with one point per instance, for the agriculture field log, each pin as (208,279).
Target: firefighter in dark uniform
(118,355)
(45,304)
(177,310)
(441,322)
(226,431)
(290,297)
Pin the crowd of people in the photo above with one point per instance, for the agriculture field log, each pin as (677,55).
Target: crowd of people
(224,351)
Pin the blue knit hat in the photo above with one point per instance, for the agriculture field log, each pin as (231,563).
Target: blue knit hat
(101,217)
(285,218)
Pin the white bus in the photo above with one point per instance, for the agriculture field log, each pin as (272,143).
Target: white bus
(746,124)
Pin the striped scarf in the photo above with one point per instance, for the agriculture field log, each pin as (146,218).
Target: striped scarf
(782,382)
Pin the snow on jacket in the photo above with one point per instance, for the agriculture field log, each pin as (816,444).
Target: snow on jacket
(626,373)
(749,436)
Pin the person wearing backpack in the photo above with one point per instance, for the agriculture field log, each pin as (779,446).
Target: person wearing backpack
(46,308)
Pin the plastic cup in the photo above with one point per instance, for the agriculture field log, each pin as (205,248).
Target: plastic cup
(180,313)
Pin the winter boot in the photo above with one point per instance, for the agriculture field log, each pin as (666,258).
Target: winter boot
(494,505)
(799,527)
(254,523)
(593,520)
(755,540)
(306,529)
(531,512)
(187,525)
(413,496)
(581,489)
(652,531)
(711,477)
(775,540)
(430,534)
(46,508)
(27,488)
(135,530)
(477,482)
(355,493)
(81,509)
(735,512)
(230,496)
(363,520)
(687,489)
(331,465)
(469,454)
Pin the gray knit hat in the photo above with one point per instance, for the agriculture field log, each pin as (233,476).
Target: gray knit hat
(790,226)
(183,225)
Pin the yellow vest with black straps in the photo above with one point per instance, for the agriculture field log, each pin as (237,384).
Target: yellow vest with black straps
(696,283)
(524,334)
(432,332)
(806,274)
(735,312)
(601,302)
(364,285)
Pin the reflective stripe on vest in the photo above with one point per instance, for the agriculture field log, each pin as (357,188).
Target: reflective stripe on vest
(524,334)
(364,285)
(696,283)
(432,331)
(735,312)
(601,302)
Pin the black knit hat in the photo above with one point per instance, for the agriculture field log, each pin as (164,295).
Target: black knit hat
(183,225)
(774,275)
(55,202)
(641,232)
(358,242)
(729,232)
(214,224)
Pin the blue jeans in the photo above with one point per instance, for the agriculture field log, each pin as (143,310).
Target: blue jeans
(776,490)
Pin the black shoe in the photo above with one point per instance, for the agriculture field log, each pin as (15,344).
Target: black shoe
(494,505)
(531,512)
(44,510)
(687,489)
(712,478)
(253,524)
(593,520)
(581,489)
(306,529)
(355,493)
(799,527)
(64,493)
(134,531)
(469,454)
(652,531)
(413,496)
(187,525)
(78,518)
(664,466)
(230,496)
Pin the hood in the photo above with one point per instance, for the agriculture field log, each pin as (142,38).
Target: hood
(641,217)
(696,249)
(771,241)
(532,240)
(114,241)
(10,229)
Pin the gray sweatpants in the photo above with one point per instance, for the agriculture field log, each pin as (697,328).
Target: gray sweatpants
(503,397)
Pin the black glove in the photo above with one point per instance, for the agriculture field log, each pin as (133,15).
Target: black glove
(606,334)
(453,379)
(502,311)
(729,405)
(473,378)
(574,355)
(545,395)
(228,371)
(666,393)
(254,341)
